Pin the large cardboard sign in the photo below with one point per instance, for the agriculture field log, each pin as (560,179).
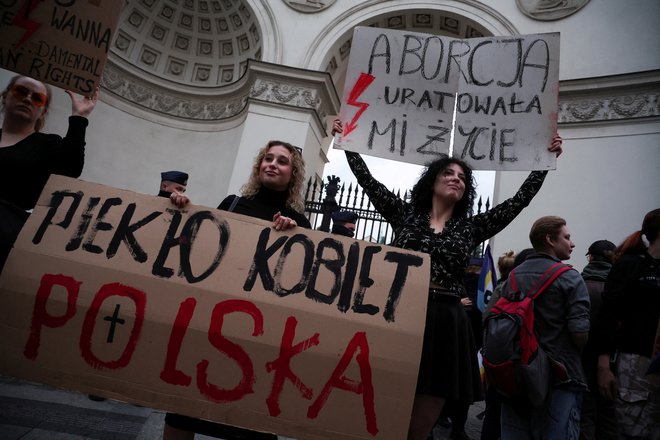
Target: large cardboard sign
(213,314)
(407,95)
(60,42)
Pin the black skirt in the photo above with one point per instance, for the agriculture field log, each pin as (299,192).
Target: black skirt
(449,367)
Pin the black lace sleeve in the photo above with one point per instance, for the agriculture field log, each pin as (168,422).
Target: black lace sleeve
(490,223)
(391,207)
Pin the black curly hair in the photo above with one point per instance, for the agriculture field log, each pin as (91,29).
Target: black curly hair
(422,192)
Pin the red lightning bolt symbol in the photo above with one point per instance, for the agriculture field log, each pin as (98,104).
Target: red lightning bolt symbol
(360,86)
(22,20)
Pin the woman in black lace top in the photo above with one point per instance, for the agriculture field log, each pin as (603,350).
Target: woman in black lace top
(437,222)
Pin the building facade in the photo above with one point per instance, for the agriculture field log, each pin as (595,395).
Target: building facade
(201,85)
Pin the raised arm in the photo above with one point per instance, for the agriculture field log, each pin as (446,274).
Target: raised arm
(490,223)
(84,105)
(67,155)
(390,206)
(68,158)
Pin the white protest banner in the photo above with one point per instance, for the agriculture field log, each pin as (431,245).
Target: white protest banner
(400,98)
(213,315)
(506,111)
(61,42)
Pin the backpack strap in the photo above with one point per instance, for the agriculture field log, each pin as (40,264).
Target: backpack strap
(548,277)
(234,203)
(544,280)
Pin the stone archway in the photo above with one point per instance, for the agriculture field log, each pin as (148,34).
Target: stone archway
(173,62)
(454,19)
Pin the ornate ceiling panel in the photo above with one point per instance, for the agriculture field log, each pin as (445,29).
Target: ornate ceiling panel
(191,42)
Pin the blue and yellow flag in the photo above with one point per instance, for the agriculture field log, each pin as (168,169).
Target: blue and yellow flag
(487,280)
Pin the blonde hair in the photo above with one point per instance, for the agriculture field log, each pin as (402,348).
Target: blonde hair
(294,189)
(39,123)
(505,263)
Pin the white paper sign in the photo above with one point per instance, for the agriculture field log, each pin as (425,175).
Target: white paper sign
(400,98)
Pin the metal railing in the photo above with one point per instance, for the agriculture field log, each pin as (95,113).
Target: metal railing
(322,199)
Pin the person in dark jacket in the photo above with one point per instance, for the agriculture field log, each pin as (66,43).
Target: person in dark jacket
(598,417)
(627,329)
(28,157)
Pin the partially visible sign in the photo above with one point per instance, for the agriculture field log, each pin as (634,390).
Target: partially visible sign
(213,314)
(506,111)
(61,42)
(407,94)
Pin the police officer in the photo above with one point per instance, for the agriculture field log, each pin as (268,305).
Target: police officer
(343,223)
(173,186)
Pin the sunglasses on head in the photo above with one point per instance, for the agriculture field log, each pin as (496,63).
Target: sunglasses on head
(22,92)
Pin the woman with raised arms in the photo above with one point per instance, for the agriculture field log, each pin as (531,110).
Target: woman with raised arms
(437,221)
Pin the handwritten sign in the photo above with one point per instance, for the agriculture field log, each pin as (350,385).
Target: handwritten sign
(407,95)
(60,42)
(213,314)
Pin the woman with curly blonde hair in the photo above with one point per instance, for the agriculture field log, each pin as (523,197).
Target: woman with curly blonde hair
(273,192)
(294,187)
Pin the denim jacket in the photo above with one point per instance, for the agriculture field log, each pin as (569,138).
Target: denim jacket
(562,309)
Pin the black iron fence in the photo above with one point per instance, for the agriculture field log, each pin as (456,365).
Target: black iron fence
(322,199)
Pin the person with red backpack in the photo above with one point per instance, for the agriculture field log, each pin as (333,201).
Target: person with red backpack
(561,327)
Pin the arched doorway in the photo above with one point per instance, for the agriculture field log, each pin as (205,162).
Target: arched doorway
(454,19)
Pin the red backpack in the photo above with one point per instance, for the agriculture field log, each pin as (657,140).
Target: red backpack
(513,361)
